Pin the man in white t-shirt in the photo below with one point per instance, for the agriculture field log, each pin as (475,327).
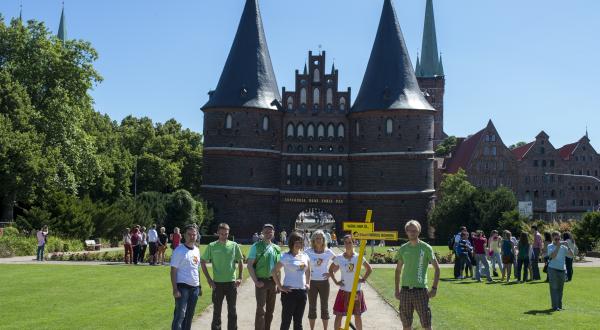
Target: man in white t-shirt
(185,279)
(153,242)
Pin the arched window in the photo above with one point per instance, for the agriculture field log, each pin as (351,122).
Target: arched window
(228,121)
(288,170)
(265,123)
(329,96)
(310,131)
(340,170)
(300,130)
(298,169)
(290,130)
(329,170)
(290,103)
(330,131)
(316,96)
(316,75)
(319,170)
(303,96)
(340,130)
(321,131)
(309,170)
(357,128)
(342,103)
(389,126)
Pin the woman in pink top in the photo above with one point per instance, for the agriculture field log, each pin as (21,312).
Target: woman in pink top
(175,238)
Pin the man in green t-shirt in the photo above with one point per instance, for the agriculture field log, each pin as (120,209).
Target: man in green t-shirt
(223,254)
(262,258)
(415,256)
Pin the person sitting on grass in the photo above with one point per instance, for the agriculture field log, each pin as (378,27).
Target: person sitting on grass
(347,264)
(414,257)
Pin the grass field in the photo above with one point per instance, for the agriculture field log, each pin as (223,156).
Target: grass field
(441,250)
(87,297)
(471,305)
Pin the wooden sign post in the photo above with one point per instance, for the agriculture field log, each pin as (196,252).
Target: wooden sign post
(363,231)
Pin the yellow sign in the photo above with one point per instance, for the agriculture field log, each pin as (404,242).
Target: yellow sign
(361,227)
(376,235)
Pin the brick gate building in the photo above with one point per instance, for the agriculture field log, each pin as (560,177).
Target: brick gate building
(268,156)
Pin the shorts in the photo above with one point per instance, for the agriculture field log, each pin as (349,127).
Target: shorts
(411,300)
(340,307)
(509,259)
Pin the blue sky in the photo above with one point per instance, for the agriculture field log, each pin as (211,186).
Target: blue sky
(527,65)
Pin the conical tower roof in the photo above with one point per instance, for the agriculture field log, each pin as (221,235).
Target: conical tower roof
(389,81)
(62,28)
(247,79)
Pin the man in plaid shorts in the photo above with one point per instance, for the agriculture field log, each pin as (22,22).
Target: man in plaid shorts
(415,256)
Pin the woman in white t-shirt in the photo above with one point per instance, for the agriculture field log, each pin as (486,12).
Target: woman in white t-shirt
(296,266)
(347,264)
(319,256)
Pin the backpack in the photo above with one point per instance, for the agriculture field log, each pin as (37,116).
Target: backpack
(451,243)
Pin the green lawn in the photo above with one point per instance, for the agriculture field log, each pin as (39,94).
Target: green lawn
(441,250)
(88,297)
(471,305)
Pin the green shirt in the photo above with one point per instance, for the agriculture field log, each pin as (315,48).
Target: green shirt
(223,257)
(266,257)
(416,260)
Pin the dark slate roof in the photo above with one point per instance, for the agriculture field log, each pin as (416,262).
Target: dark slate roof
(248,79)
(389,81)
(464,152)
(521,151)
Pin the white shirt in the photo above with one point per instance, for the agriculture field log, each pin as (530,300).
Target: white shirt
(347,268)
(152,236)
(295,270)
(186,261)
(319,263)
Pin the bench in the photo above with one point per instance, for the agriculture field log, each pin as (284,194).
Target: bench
(91,245)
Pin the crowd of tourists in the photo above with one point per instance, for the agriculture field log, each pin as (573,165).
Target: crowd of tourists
(136,241)
(477,256)
(309,269)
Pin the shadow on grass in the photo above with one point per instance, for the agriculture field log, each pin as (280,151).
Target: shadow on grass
(542,311)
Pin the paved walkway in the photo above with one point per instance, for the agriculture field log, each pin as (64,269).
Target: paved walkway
(380,315)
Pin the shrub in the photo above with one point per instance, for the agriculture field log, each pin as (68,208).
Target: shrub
(11,231)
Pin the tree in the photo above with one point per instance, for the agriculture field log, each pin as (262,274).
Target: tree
(457,206)
(514,222)
(491,206)
(181,210)
(516,145)
(446,147)
(587,231)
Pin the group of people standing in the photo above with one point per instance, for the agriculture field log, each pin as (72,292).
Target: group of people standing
(137,240)
(506,251)
(308,272)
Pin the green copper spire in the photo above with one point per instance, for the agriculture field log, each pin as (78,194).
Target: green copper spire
(305,69)
(333,68)
(62,28)
(440,70)
(418,67)
(429,49)
(21,13)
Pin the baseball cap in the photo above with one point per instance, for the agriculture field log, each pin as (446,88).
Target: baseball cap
(268,225)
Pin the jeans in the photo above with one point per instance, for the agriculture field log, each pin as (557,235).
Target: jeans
(481,260)
(557,282)
(569,265)
(228,291)
(292,306)
(457,265)
(40,252)
(265,299)
(522,263)
(464,263)
(137,249)
(185,306)
(496,259)
(535,269)
(142,252)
